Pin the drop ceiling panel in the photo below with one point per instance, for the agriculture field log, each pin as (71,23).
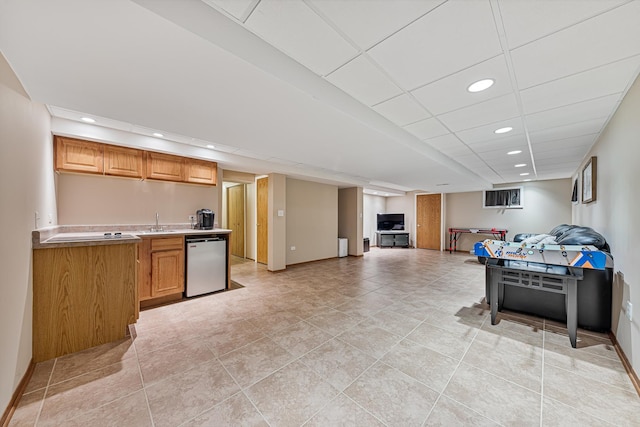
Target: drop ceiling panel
(366,22)
(425,129)
(525,21)
(606,38)
(593,109)
(491,111)
(450,93)
(566,153)
(239,9)
(402,110)
(364,81)
(297,31)
(567,131)
(608,79)
(432,48)
(471,161)
(551,146)
(486,133)
(549,165)
(515,142)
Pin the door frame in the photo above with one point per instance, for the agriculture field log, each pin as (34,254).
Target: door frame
(443,215)
(244,212)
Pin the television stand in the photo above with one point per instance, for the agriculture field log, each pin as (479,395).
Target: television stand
(392,238)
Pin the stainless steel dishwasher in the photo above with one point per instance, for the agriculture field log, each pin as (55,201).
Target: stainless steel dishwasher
(206,265)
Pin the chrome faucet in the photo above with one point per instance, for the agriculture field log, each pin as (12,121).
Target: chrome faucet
(157,227)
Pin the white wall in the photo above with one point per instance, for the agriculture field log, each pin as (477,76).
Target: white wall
(26,186)
(350,218)
(372,205)
(95,199)
(312,221)
(546,204)
(616,214)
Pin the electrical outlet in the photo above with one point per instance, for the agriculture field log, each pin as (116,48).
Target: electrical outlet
(293,248)
(629,311)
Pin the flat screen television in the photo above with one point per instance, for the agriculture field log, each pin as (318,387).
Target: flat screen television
(390,222)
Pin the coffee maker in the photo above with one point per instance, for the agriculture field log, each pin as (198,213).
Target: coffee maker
(205,219)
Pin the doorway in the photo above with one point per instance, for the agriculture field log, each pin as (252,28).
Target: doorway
(428,221)
(236,219)
(262,223)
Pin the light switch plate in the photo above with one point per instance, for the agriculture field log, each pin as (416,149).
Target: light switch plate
(280,212)
(629,311)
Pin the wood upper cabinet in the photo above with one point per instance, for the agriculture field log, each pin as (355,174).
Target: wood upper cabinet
(201,172)
(161,268)
(165,167)
(76,155)
(121,161)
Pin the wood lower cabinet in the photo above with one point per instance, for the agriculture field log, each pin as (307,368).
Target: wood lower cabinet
(161,268)
(76,155)
(121,161)
(83,296)
(165,167)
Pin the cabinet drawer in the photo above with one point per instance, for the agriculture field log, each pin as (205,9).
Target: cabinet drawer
(168,243)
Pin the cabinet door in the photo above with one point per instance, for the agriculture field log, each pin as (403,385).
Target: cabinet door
(120,161)
(75,155)
(167,272)
(165,167)
(201,172)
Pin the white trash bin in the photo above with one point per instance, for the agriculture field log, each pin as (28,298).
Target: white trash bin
(343,247)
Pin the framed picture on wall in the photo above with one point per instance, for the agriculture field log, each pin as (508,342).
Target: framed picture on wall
(574,193)
(589,181)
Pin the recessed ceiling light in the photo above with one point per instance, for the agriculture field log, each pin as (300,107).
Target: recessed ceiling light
(88,119)
(210,146)
(503,130)
(480,85)
(520,165)
(158,134)
(514,152)
(524,174)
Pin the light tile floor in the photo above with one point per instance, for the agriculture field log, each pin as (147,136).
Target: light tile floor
(399,337)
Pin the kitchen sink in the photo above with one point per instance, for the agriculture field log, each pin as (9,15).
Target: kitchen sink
(155,231)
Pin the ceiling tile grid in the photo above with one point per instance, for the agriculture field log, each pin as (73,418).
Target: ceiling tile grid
(296,30)
(395,75)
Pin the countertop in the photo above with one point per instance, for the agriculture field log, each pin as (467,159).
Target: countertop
(97,235)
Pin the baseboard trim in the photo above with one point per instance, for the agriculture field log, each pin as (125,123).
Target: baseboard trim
(625,362)
(17,394)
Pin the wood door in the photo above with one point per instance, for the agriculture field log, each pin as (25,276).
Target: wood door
(235,219)
(262,226)
(428,221)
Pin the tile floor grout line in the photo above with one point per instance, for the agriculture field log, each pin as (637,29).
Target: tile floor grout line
(454,372)
(46,391)
(144,385)
(243,391)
